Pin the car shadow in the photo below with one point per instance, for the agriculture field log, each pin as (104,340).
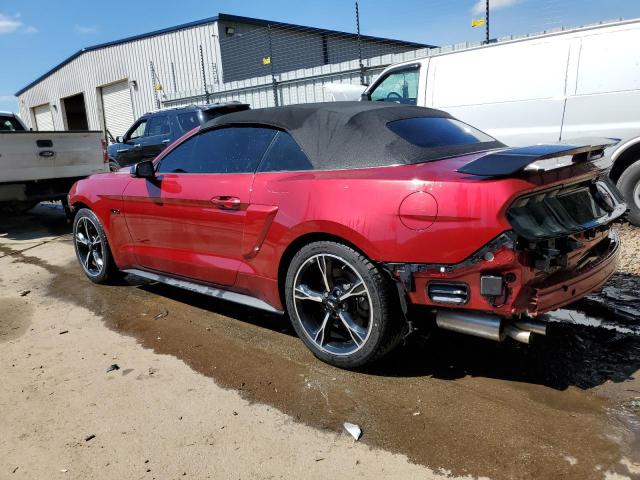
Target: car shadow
(583,355)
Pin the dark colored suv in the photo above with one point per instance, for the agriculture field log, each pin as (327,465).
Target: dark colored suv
(153,132)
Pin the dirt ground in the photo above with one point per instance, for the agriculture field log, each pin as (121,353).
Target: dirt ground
(207,389)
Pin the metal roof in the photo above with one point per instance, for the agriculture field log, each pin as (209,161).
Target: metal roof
(220,17)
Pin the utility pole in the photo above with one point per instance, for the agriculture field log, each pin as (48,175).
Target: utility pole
(360,44)
(486,21)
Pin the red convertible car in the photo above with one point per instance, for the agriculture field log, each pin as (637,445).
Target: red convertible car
(347,215)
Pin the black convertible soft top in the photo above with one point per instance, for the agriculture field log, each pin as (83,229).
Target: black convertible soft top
(339,135)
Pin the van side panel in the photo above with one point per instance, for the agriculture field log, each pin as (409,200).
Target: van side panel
(606,97)
(514,92)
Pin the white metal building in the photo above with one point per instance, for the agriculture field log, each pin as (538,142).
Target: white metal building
(107,86)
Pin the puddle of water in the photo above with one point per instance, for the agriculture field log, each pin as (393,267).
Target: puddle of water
(576,317)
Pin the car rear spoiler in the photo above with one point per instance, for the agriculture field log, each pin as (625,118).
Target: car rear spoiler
(511,161)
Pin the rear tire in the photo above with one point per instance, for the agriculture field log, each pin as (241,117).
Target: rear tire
(341,305)
(629,186)
(92,248)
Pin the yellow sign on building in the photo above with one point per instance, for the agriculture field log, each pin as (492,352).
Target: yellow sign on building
(266,60)
(477,22)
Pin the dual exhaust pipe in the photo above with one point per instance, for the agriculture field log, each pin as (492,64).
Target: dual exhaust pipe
(488,326)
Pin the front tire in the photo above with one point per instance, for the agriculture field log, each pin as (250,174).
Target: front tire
(629,186)
(92,248)
(341,305)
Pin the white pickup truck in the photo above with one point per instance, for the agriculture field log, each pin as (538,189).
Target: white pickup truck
(37,166)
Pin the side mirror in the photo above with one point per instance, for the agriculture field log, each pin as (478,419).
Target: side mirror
(143,169)
(119,139)
(365,97)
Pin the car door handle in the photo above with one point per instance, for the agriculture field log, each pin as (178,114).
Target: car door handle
(137,146)
(225,202)
(166,141)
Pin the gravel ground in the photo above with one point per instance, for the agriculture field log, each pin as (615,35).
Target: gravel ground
(630,260)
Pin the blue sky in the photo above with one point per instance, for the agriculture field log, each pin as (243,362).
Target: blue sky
(35,35)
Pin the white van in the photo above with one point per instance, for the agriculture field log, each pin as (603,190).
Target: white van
(571,84)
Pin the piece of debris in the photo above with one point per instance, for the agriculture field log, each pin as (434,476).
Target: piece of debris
(162,314)
(24,293)
(235,413)
(64,470)
(113,367)
(415,414)
(90,437)
(15,470)
(353,429)
(319,459)
(635,403)
(63,332)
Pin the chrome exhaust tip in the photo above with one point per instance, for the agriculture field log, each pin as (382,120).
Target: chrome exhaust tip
(491,327)
(522,336)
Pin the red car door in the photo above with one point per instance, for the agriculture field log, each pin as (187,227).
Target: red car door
(189,220)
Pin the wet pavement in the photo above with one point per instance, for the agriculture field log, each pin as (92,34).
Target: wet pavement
(566,406)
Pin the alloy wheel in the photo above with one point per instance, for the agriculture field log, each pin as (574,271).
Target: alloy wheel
(333,304)
(89,247)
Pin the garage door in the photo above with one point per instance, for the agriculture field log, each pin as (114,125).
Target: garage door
(44,119)
(116,105)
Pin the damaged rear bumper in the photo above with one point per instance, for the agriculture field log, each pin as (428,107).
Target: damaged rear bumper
(506,280)
(556,293)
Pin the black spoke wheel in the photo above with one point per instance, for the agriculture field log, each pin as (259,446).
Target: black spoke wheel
(92,248)
(341,305)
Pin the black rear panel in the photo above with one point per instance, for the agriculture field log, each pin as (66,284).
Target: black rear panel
(566,210)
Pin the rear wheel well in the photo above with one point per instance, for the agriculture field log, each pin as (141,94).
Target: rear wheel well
(296,245)
(629,156)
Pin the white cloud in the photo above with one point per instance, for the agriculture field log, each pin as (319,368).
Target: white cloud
(31,29)
(85,30)
(480,5)
(9,24)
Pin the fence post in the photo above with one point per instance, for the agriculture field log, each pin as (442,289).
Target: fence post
(359,44)
(155,85)
(274,83)
(204,76)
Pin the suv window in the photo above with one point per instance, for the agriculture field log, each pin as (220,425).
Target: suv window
(157,125)
(188,121)
(399,86)
(223,150)
(285,155)
(10,124)
(138,130)
(434,132)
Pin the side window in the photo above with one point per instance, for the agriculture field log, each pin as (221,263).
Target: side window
(158,125)
(285,155)
(181,159)
(9,124)
(232,149)
(138,131)
(188,121)
(400,86)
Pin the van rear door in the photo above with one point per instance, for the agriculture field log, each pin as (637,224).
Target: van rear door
(603,96)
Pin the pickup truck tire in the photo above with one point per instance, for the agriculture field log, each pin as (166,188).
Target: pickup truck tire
(629,186)
(92,248)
